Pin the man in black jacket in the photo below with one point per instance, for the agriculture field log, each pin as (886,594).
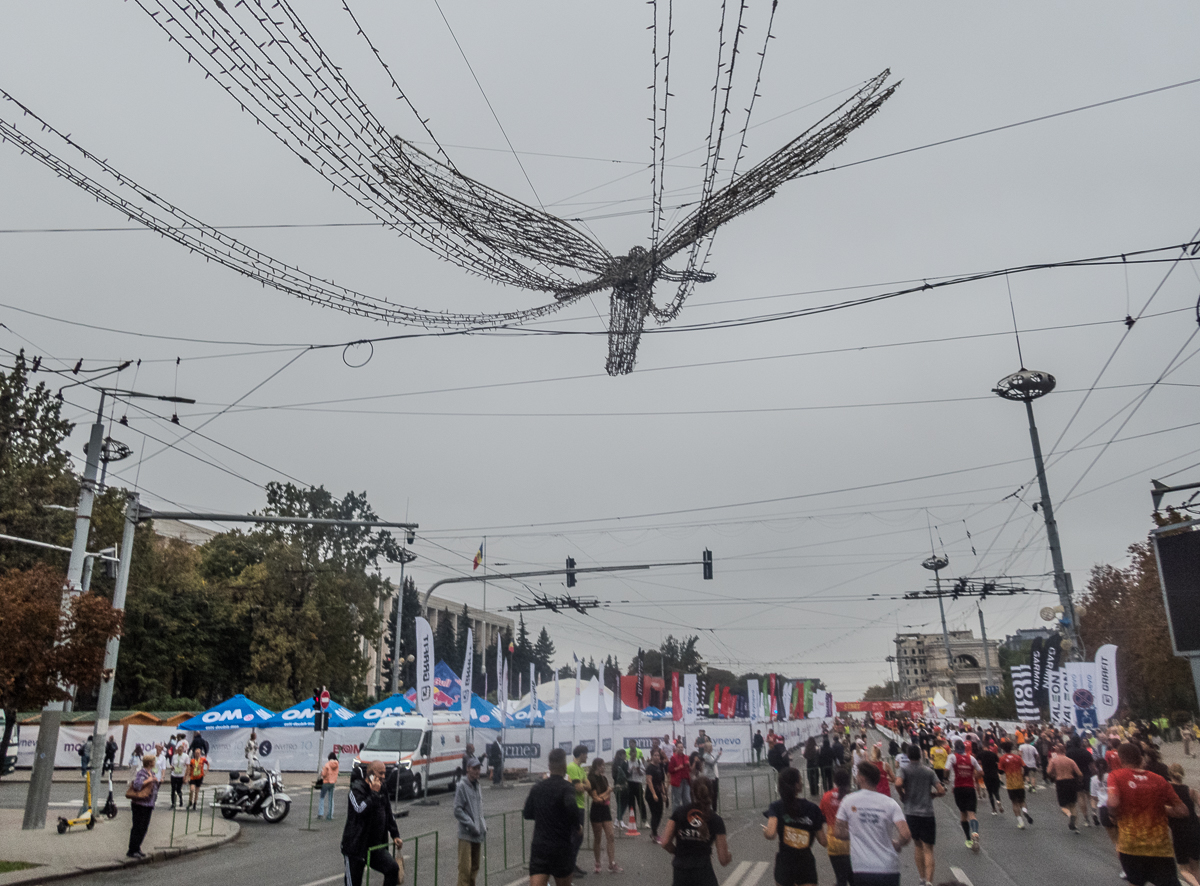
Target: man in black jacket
(369,822)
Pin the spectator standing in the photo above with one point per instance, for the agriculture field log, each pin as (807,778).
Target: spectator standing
(85,755)
(813,765)
(251,751)
(689,836)
(825,760)
(712,772)
(577,775)
(867,819)
(656,784)
(551,807)
(142,792)
(110,755)
(680,772)
(329,777)
(199,741)
(600,791)
(620,776)
(468,812)
(637,782)
(496,762)
(369,822)
(757,745)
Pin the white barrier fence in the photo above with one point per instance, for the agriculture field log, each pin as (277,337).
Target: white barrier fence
(297,749)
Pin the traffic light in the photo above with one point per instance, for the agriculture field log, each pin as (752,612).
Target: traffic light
(707,565)
(570,572)
(316,699)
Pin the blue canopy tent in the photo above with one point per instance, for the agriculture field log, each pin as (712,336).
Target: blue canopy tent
(524,716)
(389,707)
(238,712)
(304,714)
(484,714)
(655,713)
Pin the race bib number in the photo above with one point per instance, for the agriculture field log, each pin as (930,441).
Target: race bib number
(796,838)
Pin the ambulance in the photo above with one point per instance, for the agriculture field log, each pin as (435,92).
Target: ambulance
(416,748)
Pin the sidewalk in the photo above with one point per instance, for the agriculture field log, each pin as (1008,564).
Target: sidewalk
(81,851)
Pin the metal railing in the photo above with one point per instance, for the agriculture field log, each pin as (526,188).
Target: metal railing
(193,819)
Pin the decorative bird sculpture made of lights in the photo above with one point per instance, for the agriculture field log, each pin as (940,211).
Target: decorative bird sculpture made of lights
(266,59)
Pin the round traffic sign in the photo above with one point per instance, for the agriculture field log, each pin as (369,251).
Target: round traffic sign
(324,699)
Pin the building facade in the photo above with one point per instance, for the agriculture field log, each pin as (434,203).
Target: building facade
(923,669)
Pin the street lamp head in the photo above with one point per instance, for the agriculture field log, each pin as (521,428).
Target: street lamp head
(1025,384)
(935,563)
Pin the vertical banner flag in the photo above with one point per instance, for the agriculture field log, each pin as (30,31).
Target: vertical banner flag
(502,693)
(808,696)
(1108,698)
(1052,657)
(676,701)
(771,697)
(556,698)
(1022,682)
(819,703)
(617,698)
(578,667)
(533,702)
(467,672)
(1037,671)
(753,702)
(1058,704)
(640,688)
(783,701)
(424,668)
(691,700)
(1081,680)
(601,704)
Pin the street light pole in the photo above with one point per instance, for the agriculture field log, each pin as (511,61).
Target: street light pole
(38,798)
(1028,385)
(405,558)
(111,650)
(937,564)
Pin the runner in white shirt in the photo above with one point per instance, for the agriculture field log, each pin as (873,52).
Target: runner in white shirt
(1029,756)
(875,826)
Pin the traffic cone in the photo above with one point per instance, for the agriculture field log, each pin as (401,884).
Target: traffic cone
(631,828)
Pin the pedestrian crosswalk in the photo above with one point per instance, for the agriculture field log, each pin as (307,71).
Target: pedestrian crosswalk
(746,873)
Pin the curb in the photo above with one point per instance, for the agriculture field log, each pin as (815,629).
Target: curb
(163,853)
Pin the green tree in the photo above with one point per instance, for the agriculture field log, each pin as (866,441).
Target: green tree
(34,469)
(445,639)
(889,690)
(408,636)
(460,647)
(543,654)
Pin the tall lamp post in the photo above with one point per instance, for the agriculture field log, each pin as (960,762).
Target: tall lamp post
(892,678)
(1027,385)
(936,564)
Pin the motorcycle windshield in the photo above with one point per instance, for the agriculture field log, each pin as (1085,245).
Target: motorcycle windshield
(394,740)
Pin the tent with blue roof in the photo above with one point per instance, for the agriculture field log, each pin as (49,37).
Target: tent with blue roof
(484,714)
(392,706)
(304,714)
(238,712)
(521,717)
(655,713)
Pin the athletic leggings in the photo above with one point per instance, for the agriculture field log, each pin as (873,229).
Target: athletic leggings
(814,780)
(842,873)
(656,811)
(637,800)
(993,791)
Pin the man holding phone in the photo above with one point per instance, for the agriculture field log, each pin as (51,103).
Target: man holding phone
(369,822)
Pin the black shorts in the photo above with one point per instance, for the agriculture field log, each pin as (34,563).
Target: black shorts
(1067,790)
(1105,819)
(965,799)
(1016,796)
(601,812)
(795,868)
(941,774)
(197,782)
(923,828)
(1187,844)
(1143,869)
(992,785)
(557,864)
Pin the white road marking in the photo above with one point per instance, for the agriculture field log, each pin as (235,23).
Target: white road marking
(756,873)
(738,872)
(65,803)
(961,877)
(518,882)
(326,880)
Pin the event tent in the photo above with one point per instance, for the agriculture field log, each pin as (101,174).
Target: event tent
(521,716)
(238,712)
(389,707)
(304,714)
(589,703)
(484,714)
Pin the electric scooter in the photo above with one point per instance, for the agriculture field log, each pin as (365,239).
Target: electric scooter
(87,815)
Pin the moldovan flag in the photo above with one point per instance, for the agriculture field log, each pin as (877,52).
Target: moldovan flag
(478,558)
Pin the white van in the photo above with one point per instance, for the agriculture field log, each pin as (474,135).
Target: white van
(407,743)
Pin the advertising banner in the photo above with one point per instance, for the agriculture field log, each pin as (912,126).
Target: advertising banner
(1037,669)
(1022,681)
(1057,696)
(691,699)
(1108,696)
(676,701)
(467,674)
(425,664)
(753,702)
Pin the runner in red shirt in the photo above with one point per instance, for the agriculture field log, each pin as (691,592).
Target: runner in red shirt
(1013,768)
(1111,757)
(963,768)
(1141,801)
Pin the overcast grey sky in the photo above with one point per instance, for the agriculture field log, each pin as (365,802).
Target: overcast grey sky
(811,455)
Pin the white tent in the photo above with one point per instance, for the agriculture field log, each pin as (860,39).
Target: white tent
(589,701)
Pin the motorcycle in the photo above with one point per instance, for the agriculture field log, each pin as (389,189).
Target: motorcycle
(259,792)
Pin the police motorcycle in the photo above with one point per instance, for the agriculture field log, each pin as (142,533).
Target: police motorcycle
(257,792)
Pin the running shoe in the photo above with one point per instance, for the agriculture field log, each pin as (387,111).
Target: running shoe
(615,868)
(1028,817)
(1020,824)
(994,812)
(1000,806)
(1095,819)
(1071,824)
(598,868)
(974,844)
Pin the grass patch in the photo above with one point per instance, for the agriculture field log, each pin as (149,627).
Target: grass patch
(7,867)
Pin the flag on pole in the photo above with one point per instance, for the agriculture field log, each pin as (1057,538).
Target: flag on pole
(467,672)
(676,701)
(424,667)
(478,558)
(578,667)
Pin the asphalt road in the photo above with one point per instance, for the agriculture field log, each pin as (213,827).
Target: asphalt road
(1045,852)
